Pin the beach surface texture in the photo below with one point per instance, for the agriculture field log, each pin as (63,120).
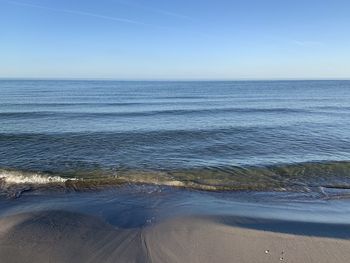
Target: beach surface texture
(60,236)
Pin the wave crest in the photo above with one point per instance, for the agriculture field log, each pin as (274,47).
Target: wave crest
(17,177)
(289,177)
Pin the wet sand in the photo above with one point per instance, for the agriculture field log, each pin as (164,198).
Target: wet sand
(62,236)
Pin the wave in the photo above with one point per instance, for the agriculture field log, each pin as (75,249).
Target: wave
(19,177)
(44,114)
(290,177)
(165,112)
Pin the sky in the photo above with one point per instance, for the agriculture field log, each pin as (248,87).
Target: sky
(175,40)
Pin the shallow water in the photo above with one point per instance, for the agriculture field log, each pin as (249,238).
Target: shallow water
(260,135)
(137,206)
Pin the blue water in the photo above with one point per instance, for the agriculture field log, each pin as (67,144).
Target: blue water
(245,135)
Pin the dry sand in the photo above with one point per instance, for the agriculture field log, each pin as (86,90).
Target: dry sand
(59,236)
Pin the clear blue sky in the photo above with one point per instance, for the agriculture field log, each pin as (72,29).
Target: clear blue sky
(175,39)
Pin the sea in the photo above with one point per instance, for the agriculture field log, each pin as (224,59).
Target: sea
(220,136)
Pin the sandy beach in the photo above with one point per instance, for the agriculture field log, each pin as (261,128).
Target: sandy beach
(61,236)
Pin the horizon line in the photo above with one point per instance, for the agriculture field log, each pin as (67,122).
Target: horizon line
(169,79)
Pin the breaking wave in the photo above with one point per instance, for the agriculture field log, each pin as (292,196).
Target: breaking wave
(18,177)
(290,177)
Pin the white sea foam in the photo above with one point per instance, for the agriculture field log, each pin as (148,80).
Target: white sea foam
(13,177)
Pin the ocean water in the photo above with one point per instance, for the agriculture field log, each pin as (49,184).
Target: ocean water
(247,135)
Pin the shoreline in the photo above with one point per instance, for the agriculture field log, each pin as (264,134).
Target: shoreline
(146,202)
(159,224)
(62,236)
